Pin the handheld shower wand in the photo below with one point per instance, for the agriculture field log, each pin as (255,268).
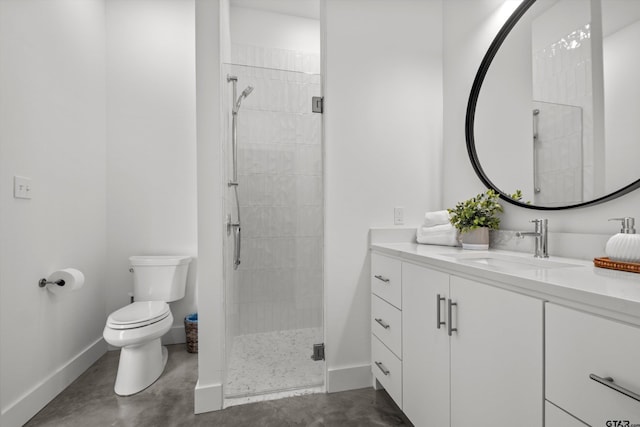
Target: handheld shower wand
(243,95)
(234,182)
(234,124)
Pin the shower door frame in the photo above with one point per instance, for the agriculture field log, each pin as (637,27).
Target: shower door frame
(226,246)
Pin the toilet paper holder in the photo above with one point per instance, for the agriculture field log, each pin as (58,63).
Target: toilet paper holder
(44,282)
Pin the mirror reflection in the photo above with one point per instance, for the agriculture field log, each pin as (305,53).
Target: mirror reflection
(558,114)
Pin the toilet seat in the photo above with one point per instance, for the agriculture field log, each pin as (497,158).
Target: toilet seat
(138,314)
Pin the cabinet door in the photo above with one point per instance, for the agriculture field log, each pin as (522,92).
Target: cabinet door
(496,357)
(425,352)
(555,417)
(592,367)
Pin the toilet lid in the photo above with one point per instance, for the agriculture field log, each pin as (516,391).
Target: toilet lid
(138,314)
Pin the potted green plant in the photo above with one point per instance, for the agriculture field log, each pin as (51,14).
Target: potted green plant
(476,216)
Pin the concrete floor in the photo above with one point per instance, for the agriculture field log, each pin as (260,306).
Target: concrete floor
(90,401)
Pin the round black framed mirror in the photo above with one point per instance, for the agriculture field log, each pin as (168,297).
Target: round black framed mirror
(554,110)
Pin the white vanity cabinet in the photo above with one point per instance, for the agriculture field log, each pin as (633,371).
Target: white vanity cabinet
(472,353)
(386,324)
(556,417)
(496,356)
(592,367)
(455,352)
(425,346)
(517,342)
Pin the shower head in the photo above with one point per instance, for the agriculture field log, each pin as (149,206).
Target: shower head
(243,95)
(247,91)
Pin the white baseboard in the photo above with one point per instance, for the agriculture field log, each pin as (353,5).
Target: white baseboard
(207,398)
(351,378)
(24,408)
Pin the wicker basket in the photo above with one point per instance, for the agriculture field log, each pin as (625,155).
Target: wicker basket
(605,262)
(191,330)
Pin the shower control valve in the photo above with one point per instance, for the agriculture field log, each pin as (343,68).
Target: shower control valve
(230,224)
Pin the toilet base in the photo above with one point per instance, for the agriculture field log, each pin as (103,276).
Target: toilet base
(140,366)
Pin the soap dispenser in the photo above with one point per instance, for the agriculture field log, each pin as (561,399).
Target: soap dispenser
(624,246)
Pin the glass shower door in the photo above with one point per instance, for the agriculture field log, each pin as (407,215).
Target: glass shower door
(557,154)
(275,298)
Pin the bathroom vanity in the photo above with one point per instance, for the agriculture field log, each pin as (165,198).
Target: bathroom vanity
(499,338)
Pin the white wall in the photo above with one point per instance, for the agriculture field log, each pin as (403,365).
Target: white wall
(622,91)
(268,29)
(211,320)
(469,28)
(383,136)
(52,129)
(151,142)
(504,140)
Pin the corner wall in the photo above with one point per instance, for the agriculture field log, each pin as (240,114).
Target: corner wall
(151,143)
(209,46)
(52,129)
(383,146)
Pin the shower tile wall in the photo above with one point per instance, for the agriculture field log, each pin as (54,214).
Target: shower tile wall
(562,75)
(276,59)
(558,149)
(279,282)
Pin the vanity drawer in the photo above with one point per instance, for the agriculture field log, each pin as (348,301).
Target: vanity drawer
(386,324)
(387,369)
(386,274)
(555,417)
(581,346)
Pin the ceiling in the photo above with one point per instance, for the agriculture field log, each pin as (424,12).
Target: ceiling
(301,8)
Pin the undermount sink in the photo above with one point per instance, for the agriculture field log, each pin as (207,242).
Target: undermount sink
(507,262)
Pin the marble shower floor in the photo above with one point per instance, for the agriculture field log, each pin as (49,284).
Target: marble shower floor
(90,401)
(273,362)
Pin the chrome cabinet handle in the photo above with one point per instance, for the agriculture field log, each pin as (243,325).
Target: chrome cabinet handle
(383,323)
(438,321)
(382,368)
(608,382)
(379,277)
(450,304)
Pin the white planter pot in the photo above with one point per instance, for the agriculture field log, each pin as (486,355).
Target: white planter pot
(477,239)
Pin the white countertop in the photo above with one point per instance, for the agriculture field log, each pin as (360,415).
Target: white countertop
(608,292)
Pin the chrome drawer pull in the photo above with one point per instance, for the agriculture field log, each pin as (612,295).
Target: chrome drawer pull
(608,382)
(450,304)
(382,368)
(379,277)
(438,322)
(383,323)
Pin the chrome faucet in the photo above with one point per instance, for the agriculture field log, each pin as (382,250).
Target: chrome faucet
(540,234)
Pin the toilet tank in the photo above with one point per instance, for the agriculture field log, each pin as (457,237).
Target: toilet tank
(159,278)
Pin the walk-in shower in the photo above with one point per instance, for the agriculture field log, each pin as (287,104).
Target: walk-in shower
(274,288)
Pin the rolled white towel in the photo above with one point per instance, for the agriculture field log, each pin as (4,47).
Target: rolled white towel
(443,235)
(436,218)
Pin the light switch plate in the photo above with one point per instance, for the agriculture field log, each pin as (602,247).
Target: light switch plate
(398,216)
(21,187)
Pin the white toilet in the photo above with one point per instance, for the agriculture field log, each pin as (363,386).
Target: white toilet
(138,327)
